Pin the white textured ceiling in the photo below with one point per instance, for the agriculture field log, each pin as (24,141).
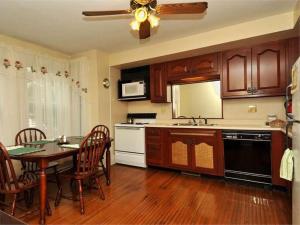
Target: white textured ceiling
(58,24)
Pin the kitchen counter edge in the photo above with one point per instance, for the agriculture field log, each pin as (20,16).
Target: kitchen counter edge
(222,127)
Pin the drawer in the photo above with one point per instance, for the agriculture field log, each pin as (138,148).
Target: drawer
(154,154)
(153,139)
(131,159)
(153,132)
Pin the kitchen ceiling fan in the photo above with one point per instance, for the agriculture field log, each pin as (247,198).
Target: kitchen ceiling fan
(146,13)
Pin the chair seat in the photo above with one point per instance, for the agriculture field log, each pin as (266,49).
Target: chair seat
(23,185)
(71,174)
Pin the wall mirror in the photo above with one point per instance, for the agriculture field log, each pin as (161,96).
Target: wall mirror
(197,99)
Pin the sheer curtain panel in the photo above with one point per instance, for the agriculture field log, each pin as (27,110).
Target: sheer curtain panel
(43,92)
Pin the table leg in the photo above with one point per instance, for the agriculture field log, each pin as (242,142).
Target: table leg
(108,165)
(43,192)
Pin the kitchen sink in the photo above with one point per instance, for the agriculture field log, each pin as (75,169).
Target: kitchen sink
(192,125)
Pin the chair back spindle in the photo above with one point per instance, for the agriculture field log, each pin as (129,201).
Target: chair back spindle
(103,129)
(26,136)
(29,135)
(90,152)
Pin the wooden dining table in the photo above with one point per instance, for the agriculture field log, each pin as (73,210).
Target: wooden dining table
(53,151)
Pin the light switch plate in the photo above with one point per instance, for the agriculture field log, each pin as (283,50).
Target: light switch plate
(252,109)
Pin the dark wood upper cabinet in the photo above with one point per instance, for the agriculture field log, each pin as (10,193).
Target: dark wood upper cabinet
(178,68)
(255,72)
(158,83)
(269,69)
(203,65)
(236,77)
(206,64)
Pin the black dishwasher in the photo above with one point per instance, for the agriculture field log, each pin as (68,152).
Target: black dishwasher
(248,156)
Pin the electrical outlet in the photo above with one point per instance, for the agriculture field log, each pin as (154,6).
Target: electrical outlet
(252,109)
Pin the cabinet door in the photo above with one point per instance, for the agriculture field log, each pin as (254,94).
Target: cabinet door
(293,53)
(178,149)
(158,83)
(236,77)
(206,64)
(154,143)
(204,152)
(178,69)
(269,69)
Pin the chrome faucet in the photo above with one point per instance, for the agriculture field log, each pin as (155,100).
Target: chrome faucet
(194,121)
(205,120)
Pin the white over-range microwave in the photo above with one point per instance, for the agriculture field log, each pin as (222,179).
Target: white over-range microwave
(132,90)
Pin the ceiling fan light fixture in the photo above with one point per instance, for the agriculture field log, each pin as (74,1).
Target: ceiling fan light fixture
(154,20)
(141,14)
(135,25)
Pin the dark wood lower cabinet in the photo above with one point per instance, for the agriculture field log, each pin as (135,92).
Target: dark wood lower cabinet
(193,150)
(200,151)
(154,147)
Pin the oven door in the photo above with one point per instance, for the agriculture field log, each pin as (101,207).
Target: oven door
(130,139)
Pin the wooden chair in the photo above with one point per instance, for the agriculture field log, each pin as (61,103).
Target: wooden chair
(105,130)
(29,135)
(90,152)
(10,185)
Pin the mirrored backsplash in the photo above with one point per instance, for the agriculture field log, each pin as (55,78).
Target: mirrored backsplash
(197,99)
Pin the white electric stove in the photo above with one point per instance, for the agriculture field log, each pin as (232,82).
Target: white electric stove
(130,142)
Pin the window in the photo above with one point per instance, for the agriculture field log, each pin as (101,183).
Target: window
(29,98)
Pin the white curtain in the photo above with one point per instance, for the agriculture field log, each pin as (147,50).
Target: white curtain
(29,98)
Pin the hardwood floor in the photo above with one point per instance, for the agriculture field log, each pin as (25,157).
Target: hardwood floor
(152,196)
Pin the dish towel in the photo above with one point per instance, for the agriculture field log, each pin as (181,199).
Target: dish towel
(70,146)
(287,165)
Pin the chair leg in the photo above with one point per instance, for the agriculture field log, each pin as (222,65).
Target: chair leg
(102,196)
(59,186)
(13,207)
(2,197)
(58,197)
(49,211)
(31,194)
(57,177)
(27,198)
(73,189)
(81,196)
(105,172)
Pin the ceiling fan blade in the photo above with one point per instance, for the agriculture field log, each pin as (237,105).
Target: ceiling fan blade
(105,13)
(144,31)
(182,8)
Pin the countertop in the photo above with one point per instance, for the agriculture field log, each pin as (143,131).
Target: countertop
(221,127)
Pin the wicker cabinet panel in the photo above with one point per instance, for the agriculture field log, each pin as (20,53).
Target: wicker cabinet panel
(179,154)
(204,156)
